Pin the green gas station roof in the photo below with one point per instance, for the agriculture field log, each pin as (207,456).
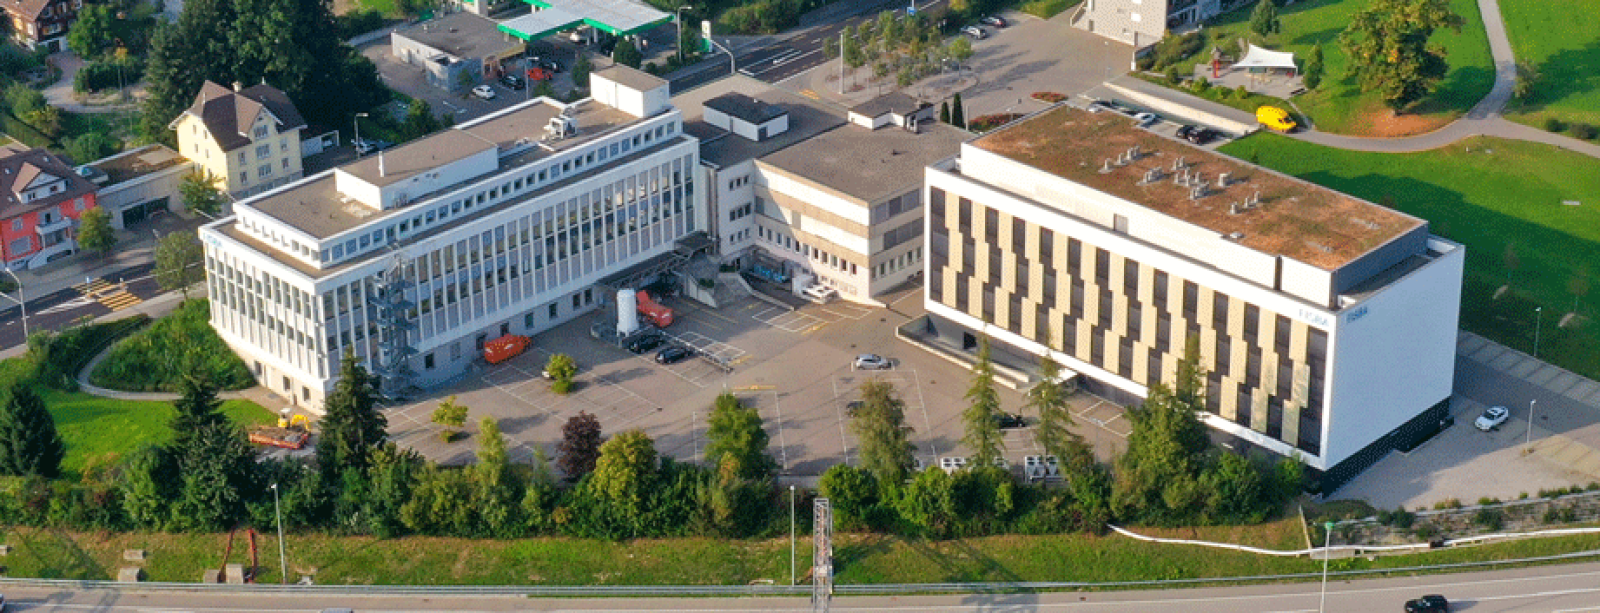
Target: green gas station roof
(616,17)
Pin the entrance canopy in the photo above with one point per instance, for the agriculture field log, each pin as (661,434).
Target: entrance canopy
(1262,58)
(615,17)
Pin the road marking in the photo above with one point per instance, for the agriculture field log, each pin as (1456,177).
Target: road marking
(810,94)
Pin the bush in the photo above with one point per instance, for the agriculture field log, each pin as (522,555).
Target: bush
(1562,515)
(1552,124)
(990,122)
(1050,97)
(1584,131)
(1426,532)
(1490,519)
(96,76)
(1488,501)
(157,359)
(1448,503)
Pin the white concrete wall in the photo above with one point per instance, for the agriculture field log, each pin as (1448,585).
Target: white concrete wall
(1393,355)
(780,182)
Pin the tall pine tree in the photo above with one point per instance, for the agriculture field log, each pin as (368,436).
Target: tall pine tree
(198,407)
(216,469)
(982,416)
(29,443)
(882,434)
(958,117)
(351,425)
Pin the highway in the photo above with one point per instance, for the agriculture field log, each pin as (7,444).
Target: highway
(112,291)
(1547,589)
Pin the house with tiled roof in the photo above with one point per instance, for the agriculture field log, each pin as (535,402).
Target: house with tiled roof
(247,139)
(41,199)
(41,23)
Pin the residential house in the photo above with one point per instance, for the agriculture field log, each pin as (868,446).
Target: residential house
(41,23)
(41,199)
(246,138)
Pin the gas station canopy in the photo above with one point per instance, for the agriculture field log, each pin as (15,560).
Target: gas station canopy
(615,17)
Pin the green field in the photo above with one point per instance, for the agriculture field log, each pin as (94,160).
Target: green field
(1338,106)
(93,427)
(1486,194)
(1559,38)
(859,558)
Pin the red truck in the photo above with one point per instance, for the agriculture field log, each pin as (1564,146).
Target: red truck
(660,315)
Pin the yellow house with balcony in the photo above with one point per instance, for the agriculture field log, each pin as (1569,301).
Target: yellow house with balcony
(247,139)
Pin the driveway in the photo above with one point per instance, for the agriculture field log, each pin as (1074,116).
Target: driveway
(60,94)
(408,80)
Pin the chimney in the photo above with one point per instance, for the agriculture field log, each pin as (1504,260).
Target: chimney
(237,86)
(381,171)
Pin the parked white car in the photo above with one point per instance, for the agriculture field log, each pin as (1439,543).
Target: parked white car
(1492,418)
(483,91)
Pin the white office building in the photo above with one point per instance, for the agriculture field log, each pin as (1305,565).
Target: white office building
(415,257)
(1327,323)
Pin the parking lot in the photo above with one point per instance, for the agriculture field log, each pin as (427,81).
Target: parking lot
(407,79)
(795,367)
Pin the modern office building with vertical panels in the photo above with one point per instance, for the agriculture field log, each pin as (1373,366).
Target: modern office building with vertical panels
(413,258)
(1327,323)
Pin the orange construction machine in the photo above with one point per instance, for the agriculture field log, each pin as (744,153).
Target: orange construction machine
(505,348)
(660,315)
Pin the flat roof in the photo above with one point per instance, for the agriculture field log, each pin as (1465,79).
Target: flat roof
(315,207)
(807,118)
(1296,219)
(632,78)
(139,162)
(616,17)
(869,164)
(463,35)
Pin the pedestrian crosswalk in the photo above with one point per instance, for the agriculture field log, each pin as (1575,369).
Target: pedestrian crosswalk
(810,94)
(114,296)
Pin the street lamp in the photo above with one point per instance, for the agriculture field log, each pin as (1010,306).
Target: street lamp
(283,559)
(1327,538)
(1527,440)
(679,13)
(356,121)
(22,303)
(1537,324)
(791,535)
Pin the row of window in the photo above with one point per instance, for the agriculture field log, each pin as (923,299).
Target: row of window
(816,254)
(1085,262)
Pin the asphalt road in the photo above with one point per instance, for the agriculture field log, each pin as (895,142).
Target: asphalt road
(55,311)
(792,56)
(1549,589)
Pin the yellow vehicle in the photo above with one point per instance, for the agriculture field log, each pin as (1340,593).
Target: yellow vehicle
(1275,119)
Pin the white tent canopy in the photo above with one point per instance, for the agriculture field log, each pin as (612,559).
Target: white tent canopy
(1262,58)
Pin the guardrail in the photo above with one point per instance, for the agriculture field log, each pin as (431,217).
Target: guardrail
(746,590)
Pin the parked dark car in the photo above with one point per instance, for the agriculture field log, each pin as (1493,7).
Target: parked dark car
(1008,421)
(512,81)
(1197,135)
(674,354)
(1432,603)
(993,20)
(645,343)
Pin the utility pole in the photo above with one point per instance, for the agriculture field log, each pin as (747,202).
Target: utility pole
(283,558)
(1327,538)
(1527,442)
(841,61)
(791,535)
(1537,325)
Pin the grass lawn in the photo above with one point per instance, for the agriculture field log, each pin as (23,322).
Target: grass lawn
(1338,105)
(1558,37)
(1486,194)
(1045,9)
(860,558)
(92,426)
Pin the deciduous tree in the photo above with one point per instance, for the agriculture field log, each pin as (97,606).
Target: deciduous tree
(1157,477)
(882,434)
(497,494)
(200,194)
(581,69)
(1314,68)
(94,232)
(1388,50)
(561,368)
(625,473)
(452,415)
(1264,19)
(29,443)
(179,259)
(736,438)
(627,54)
(981,419)
(580,445)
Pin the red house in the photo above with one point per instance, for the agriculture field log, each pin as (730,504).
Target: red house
(41,199)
